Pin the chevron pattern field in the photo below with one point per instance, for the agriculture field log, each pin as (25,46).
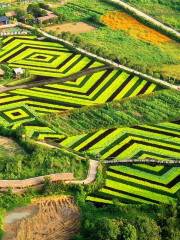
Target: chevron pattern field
(129,184)
(42,58)
(139,184)
(97,88)
(161,140)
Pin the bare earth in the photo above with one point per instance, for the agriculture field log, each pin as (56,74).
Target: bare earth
(74,28)
(8,143)
(51,218)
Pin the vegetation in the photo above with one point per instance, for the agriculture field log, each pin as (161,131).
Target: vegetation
(156,107)
(145,56)
(112,114)
(32,160)
(8,73)
(165,11)
(129,222)
(116,221)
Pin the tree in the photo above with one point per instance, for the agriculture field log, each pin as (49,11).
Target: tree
(129,232)
(20,14)
(147,229)
(44,6)
(35,10)
(101,229)
(30,19)
(8,72)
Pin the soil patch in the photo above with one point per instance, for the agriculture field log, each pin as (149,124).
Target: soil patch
(122,21)
(74,28)
(9,144)
(55,218)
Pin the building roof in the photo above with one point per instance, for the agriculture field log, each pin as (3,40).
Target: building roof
(48,17)
(3,18)
(18,71)
(11,14)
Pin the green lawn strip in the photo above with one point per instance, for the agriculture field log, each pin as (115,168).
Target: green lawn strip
(148,168)
(165,178)
(99,200)
(123,196)
(56,98)
(130,152)
(143,184)
(139,192)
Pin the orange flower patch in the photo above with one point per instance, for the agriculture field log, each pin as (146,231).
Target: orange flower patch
(122,21)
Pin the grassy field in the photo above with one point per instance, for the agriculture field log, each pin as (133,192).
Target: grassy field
(165,11)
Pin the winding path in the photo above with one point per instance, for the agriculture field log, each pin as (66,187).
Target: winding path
(20,186)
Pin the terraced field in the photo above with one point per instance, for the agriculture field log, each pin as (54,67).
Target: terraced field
(133,184)
(137,183)
(161,140)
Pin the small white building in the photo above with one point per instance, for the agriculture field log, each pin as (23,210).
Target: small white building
(19,71)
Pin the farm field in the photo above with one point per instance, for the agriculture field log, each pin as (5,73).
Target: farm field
(43,58)
(122,21)
(165,11)
(139,184)
(84,91)
(136,183)
(29,108)
(161,140)
(89,120)
(150,51)
(74,28)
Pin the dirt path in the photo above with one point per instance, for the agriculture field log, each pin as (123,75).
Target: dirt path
(51,218)
(20,186)
(93,166)
(55,80)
